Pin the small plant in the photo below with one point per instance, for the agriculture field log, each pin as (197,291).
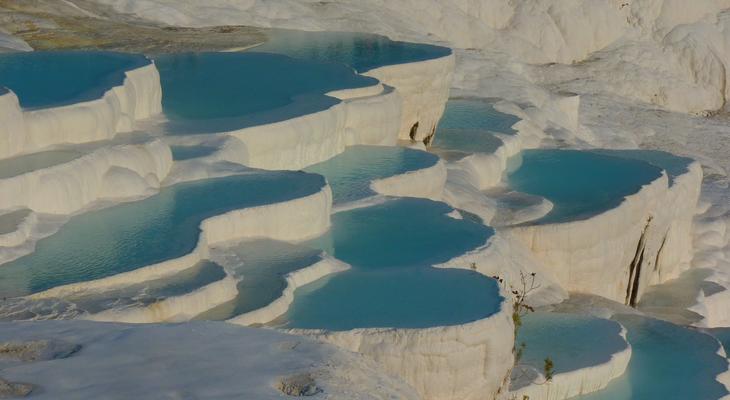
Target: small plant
(520,308)
(548,369)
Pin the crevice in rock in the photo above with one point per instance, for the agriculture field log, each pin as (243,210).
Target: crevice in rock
(632,288)
(428,139)
(414,131)
(635,286)
(659,252)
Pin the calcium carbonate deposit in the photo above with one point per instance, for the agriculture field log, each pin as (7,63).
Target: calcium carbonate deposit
(356,199)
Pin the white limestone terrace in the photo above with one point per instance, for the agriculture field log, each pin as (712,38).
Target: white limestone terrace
(651,240)
(465,361)
(53,185)
(276,220)
(59,360)
(461,360)
(75,114)
(531,52)
(376,114)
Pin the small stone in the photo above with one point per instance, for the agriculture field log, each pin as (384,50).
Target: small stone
(9,390)
(298,385)
(37,350)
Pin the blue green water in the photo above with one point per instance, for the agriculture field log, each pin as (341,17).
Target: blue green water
(668,362)
(54,78)
(468,126)
(144,294)
(391,248)
(132,235)
(10,167)
(361,51)
(262,266)
(350,173)
(181,153)
(214,92)
(673,164)
(580,184)
(571,341)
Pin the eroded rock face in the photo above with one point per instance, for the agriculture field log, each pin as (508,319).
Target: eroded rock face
(36,350)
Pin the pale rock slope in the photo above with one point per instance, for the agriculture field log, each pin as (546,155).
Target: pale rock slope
(672,53)
(9,42)
(212,360)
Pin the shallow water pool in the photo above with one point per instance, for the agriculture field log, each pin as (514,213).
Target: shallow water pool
(674,165)
(468,126)
(261,265)
(668,362)
(55,78)
(391,248)
(580,184)
(132,235)
(361,51)
(571,341)
(350,173)
(216,92)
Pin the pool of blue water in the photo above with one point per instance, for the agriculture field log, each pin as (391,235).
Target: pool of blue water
(181,153)
(468,126)
(261,265)
(674,165)
(132,235)
(571,341)
(580,184)
(55,78)
(361,51)
(350,173)
(668,362)
(144,294)
(10,167)
(215,92)
(391,248)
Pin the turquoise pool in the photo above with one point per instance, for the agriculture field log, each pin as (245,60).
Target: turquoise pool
(262,265)
(668,362)
(674,165)
(391,248)
(571,341)
(468,126)
(580,184)
(215,92)
(132,235)
(181,153)
(350,173)
(361,51)
(54,78)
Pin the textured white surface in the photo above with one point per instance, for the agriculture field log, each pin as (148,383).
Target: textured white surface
(176,308)
(466,361)
(426,183)
(424,88)
(206,360)
(114,172)
(594,255)
(140,96)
